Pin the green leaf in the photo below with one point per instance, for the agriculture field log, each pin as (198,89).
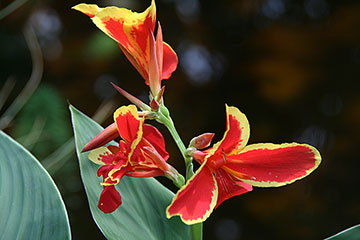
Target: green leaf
(31,205)
(142,213)
(352,233)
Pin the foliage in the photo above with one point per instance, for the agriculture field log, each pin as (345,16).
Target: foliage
(31,205)
(142,215)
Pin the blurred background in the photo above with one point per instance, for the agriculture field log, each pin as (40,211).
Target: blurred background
(291,66)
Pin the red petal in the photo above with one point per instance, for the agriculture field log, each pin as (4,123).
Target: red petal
(104,170)
(110,199)
(146,173)
(105,136)
(170,61)
(97,155)
(156,139)
(129,29)
(195,201)
(271,165)
(153,67)
(159,48)
(154,159)
(235,137)
(127,122)
(202,141)
(229,186)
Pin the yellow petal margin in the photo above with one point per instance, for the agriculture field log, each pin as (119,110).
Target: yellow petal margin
(132,110)
(126,109)
(96,154)
(236,138)
(188,195)
(274,165)
(89,9)
(124,32)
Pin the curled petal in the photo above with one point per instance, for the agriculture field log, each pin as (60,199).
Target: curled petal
(236,135)
(195,201)
(229,186)
(129,29)
(156,159)
(116,173)
(273,165)
(127,122)
(104,171)
(89,9)
(156,139)
(170,61)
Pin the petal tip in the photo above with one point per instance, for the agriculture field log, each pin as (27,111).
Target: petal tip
(89,9)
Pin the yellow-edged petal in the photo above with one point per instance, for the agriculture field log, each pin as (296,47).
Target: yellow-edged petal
(236,135)
(273,165)
(130,29)
(97,154)
(195,201)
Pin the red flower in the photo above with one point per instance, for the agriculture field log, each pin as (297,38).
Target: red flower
(141,153)
(231,168)
(154,59)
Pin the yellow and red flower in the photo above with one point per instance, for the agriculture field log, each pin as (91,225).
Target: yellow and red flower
(141,153)
(231,168)
(154,59)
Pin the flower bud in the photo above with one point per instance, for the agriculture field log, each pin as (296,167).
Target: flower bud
(201,141)
(154,105)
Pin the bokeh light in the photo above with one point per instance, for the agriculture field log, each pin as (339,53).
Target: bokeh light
(291,66)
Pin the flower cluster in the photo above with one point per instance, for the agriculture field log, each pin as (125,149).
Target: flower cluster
(229,168)
(141,153)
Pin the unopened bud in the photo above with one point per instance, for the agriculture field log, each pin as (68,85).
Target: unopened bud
(154,105)
(201,141)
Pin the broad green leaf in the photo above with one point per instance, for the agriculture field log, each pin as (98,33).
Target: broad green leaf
(30,204)
(142,213)
(352,233)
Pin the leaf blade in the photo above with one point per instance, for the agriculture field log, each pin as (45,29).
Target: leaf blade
(142,214)
(352,233)
(31,205)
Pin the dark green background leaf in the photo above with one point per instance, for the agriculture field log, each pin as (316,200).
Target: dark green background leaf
(30,204)
(352,233)
(42,126)
(142,214)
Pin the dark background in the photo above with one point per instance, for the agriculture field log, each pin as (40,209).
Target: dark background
(291,66)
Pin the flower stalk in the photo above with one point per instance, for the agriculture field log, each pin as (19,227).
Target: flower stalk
(163,116)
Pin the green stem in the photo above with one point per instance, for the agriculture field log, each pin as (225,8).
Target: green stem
(196,231)
(164,118)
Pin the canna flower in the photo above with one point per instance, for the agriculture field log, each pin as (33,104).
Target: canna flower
(141,153)
(153,59)
(230,168)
